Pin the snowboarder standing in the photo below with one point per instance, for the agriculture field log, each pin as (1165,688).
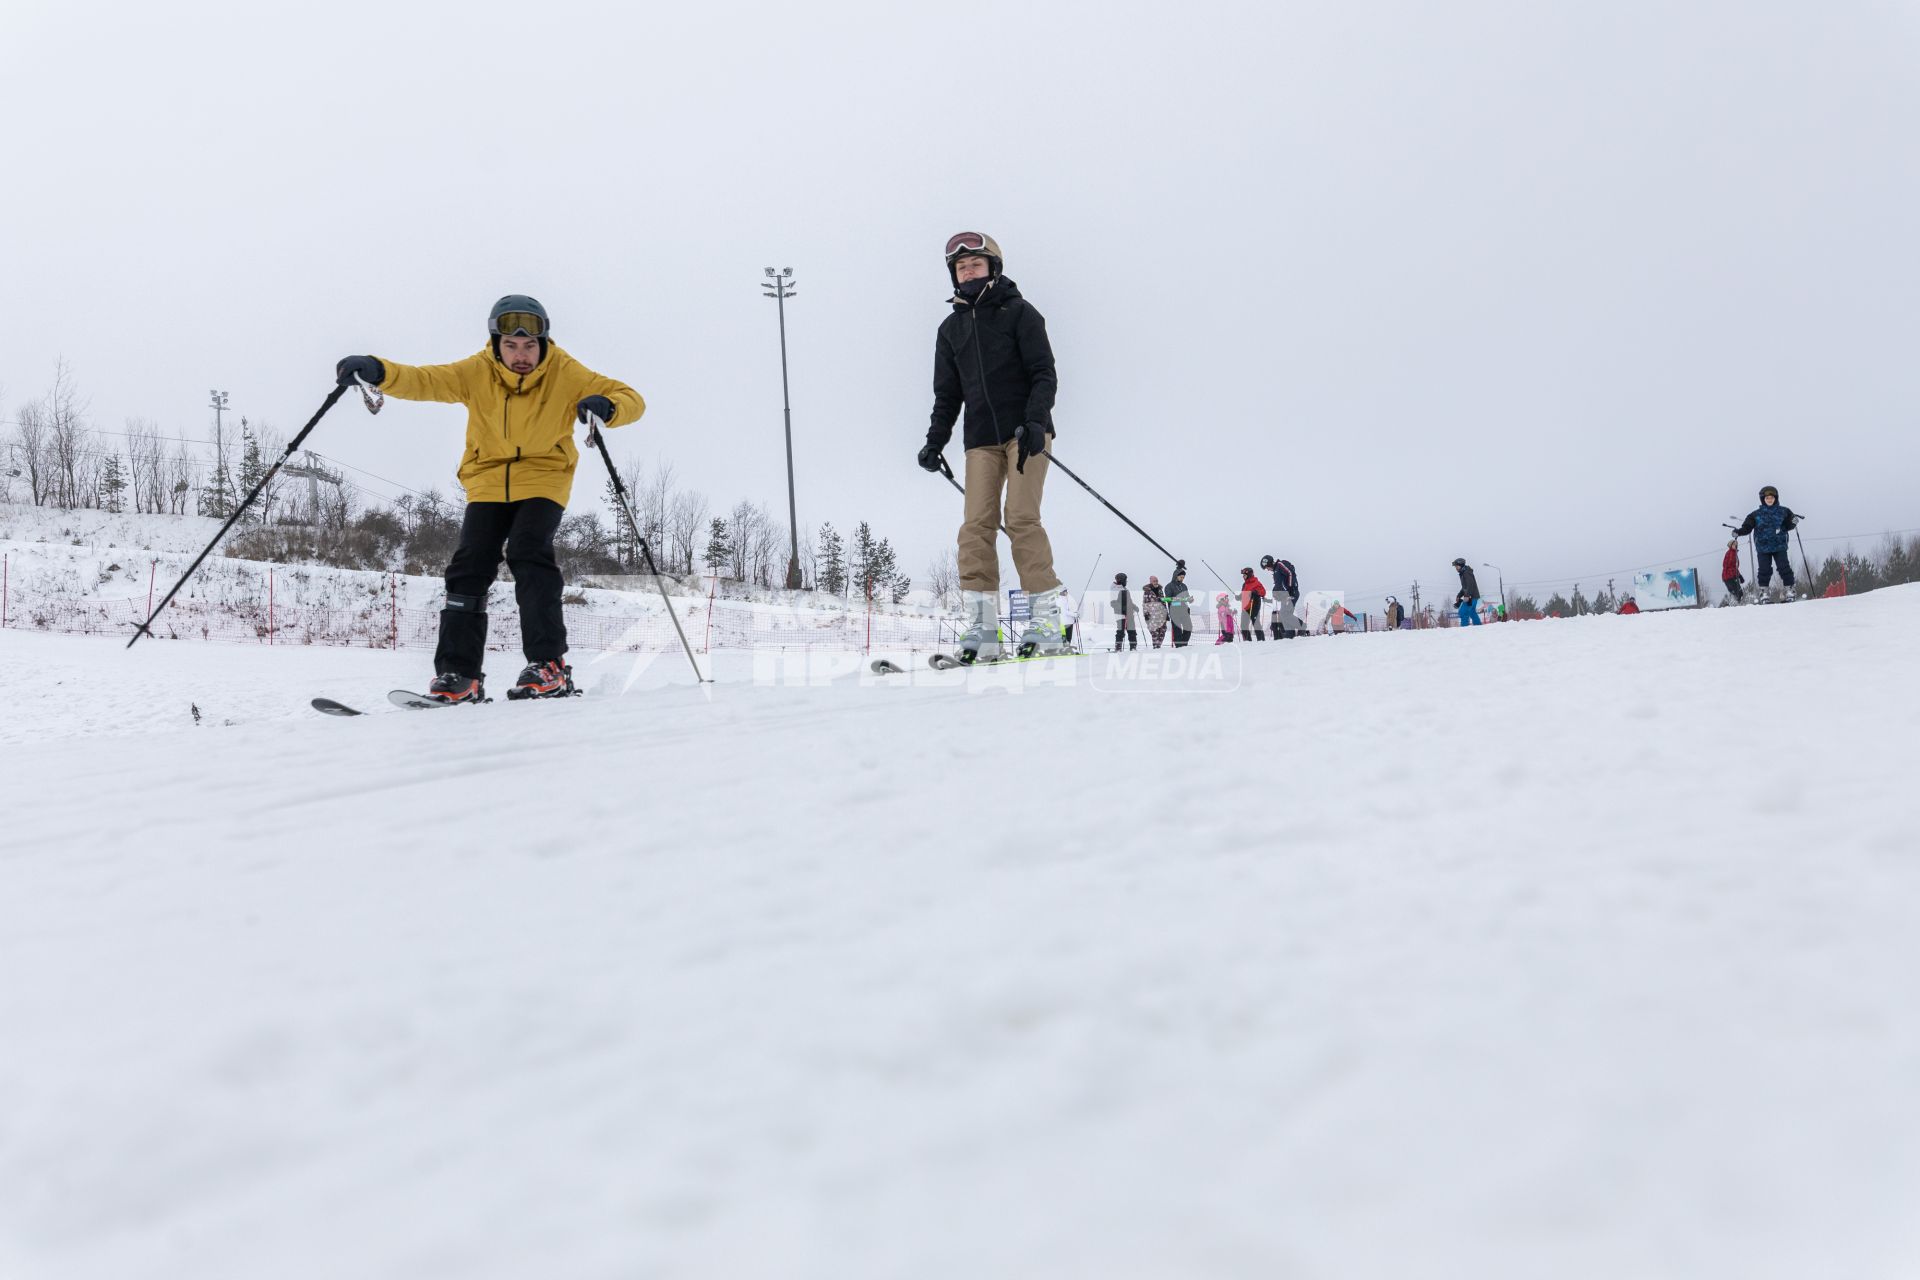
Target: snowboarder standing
(1770,523)
(992,357)
(1286,597)
(1125,624)
(1730,577)
(523,396)
(1468,600)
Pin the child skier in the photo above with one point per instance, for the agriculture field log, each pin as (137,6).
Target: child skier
(1730,571)
(1125,622)
(1223,614)
(1770,523)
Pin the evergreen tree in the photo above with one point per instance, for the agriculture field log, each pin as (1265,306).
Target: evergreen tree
(862,562)
(252,469)
(719,546)
(113,484)
(1558,606)
(833,561)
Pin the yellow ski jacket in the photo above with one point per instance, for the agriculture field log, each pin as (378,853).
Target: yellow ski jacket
(519,428)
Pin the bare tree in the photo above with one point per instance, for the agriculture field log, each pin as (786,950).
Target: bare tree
(943,579)
(179,477)
(72,464)
(146,465)
(686,527)
(30,455)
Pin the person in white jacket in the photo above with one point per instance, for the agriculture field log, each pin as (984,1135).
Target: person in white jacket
(1069,614)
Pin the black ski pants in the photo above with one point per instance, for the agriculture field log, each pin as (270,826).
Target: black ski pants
(1768,559)
(525,530)
(1125,632)
(1181,635)
(1733,588)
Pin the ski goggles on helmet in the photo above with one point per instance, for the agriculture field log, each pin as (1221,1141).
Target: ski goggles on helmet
(966,242)
(520,324)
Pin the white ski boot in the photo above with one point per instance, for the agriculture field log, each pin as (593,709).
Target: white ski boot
(980,642)
(1045,634)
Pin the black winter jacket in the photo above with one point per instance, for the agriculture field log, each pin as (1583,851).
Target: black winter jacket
(1469,586)
(992,356)
(1285,581)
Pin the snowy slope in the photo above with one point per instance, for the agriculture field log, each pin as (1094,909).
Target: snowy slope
(1561,949)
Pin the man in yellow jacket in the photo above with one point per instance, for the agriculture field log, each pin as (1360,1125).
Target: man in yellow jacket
(523,397)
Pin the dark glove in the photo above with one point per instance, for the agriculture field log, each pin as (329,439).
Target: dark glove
(599,406)
(929,456)
(365,368)
(1033,439)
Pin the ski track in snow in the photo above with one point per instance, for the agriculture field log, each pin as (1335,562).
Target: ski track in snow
(1576,949)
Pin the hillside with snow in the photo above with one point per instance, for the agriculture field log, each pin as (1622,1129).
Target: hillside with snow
(1572,949)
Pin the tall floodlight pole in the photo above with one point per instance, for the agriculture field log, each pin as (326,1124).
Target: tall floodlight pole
(779,286)
(219,406)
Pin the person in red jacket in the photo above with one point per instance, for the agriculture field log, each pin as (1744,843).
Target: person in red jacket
(1629,606)
(1730,571)
(1252,593)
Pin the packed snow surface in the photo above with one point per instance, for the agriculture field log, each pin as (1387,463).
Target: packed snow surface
(1568,949)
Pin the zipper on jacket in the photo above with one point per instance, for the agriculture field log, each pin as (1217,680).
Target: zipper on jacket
(506,433)
(980,363)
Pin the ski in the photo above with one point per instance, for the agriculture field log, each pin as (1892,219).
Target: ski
(949,661)
(420,701)
(332,708)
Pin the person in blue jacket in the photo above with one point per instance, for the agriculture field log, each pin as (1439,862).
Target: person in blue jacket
(1770,523)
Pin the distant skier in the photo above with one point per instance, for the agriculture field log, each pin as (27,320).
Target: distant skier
(1770,523)
(1252,593)
(1126,618)
(1730,571)
(1628,606)
(1396,614)
(992,357)
(1180,608)
(1153,609)
(524,397)
(1468,601)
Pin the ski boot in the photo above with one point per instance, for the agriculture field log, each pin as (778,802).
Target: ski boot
(1045,634)
(451,687)
(980,642)
(542,680)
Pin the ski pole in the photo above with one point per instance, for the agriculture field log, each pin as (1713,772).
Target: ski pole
(620,491)
(947,471)
(1805,563)
(1088,584)
(144,628)
(1048,455)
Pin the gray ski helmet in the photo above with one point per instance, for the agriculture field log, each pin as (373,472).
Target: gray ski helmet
(1769,490)
(523,317)
(1459,562)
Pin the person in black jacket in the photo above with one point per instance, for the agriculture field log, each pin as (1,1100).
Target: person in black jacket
(1286,597)
(1770,523)
(992,357)
(1469,598)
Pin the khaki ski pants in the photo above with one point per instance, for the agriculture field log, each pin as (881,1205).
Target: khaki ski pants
(989,471)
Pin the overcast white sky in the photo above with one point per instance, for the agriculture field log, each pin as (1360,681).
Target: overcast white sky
(1367,285)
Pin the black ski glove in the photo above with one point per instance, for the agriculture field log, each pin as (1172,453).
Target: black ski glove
(929,458)
(1033,439)
(364,367)
(599,406)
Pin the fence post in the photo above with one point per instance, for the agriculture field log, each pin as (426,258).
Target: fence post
(5,569)
(269,605)
(869,613)
(713,585)
(393,593)
(150,568)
